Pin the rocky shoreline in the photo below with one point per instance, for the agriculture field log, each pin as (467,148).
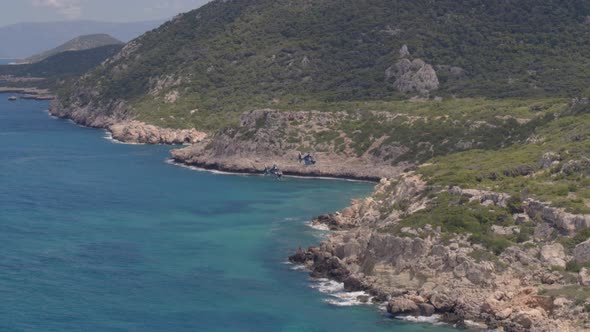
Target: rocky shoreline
(131,131)
(422,271)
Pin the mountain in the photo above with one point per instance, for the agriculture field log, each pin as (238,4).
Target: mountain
(236,54)
(64,65)
(18,41)
(77,44)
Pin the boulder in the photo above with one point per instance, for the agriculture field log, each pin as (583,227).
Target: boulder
(521,218)
(404,52)
(584,277)
(501,230)
(504,314)
(543,231)
(401,305)
(442,302)
(527,319)
(582,252)
(553,255)
(426,309)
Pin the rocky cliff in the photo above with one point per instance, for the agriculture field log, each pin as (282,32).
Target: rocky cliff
(123,128)
(425,270)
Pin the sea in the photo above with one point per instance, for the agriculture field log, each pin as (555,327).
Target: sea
(101,236)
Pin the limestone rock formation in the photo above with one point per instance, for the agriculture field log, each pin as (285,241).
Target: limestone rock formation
(139,132)
(553,254)
(412,76)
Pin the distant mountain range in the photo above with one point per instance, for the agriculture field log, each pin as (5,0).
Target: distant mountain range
(25,39)
(77,44)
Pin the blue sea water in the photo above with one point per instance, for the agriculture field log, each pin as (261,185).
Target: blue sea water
(98,236)
(6,61)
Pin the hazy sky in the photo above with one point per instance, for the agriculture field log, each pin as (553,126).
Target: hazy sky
(15,11)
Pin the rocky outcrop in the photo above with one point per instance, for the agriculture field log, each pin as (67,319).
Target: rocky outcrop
(421,271)
(412,75)
(139,132)
(566,223)
(119,122)
(554,255)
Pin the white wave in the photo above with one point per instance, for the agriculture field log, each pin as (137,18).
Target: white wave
(317,226)
(295,267)
(299,267)
(51,115)
(337,295)
(199,169)
(434,319)
(109,137)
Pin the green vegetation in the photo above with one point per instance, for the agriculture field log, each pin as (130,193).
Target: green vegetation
(456,215)
(231,56)
(552,165)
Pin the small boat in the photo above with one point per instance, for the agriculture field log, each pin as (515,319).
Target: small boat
(12,98)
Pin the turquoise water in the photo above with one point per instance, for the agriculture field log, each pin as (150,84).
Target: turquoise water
(98,236)
(5,61)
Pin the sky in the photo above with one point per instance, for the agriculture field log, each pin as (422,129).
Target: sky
(17,11)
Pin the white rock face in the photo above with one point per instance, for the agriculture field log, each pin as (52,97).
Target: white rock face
(412,75)
(139,132)
(553,254)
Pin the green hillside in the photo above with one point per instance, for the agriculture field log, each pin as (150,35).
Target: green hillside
(234,55)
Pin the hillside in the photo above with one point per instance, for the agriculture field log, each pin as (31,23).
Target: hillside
(77,44)
(18,41)
(234,55)
(47,73)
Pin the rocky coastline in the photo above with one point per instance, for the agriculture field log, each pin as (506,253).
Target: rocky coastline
(422,271)
(414,271)
(130,131)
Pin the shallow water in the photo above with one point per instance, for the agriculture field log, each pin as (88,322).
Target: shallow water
(96,236)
